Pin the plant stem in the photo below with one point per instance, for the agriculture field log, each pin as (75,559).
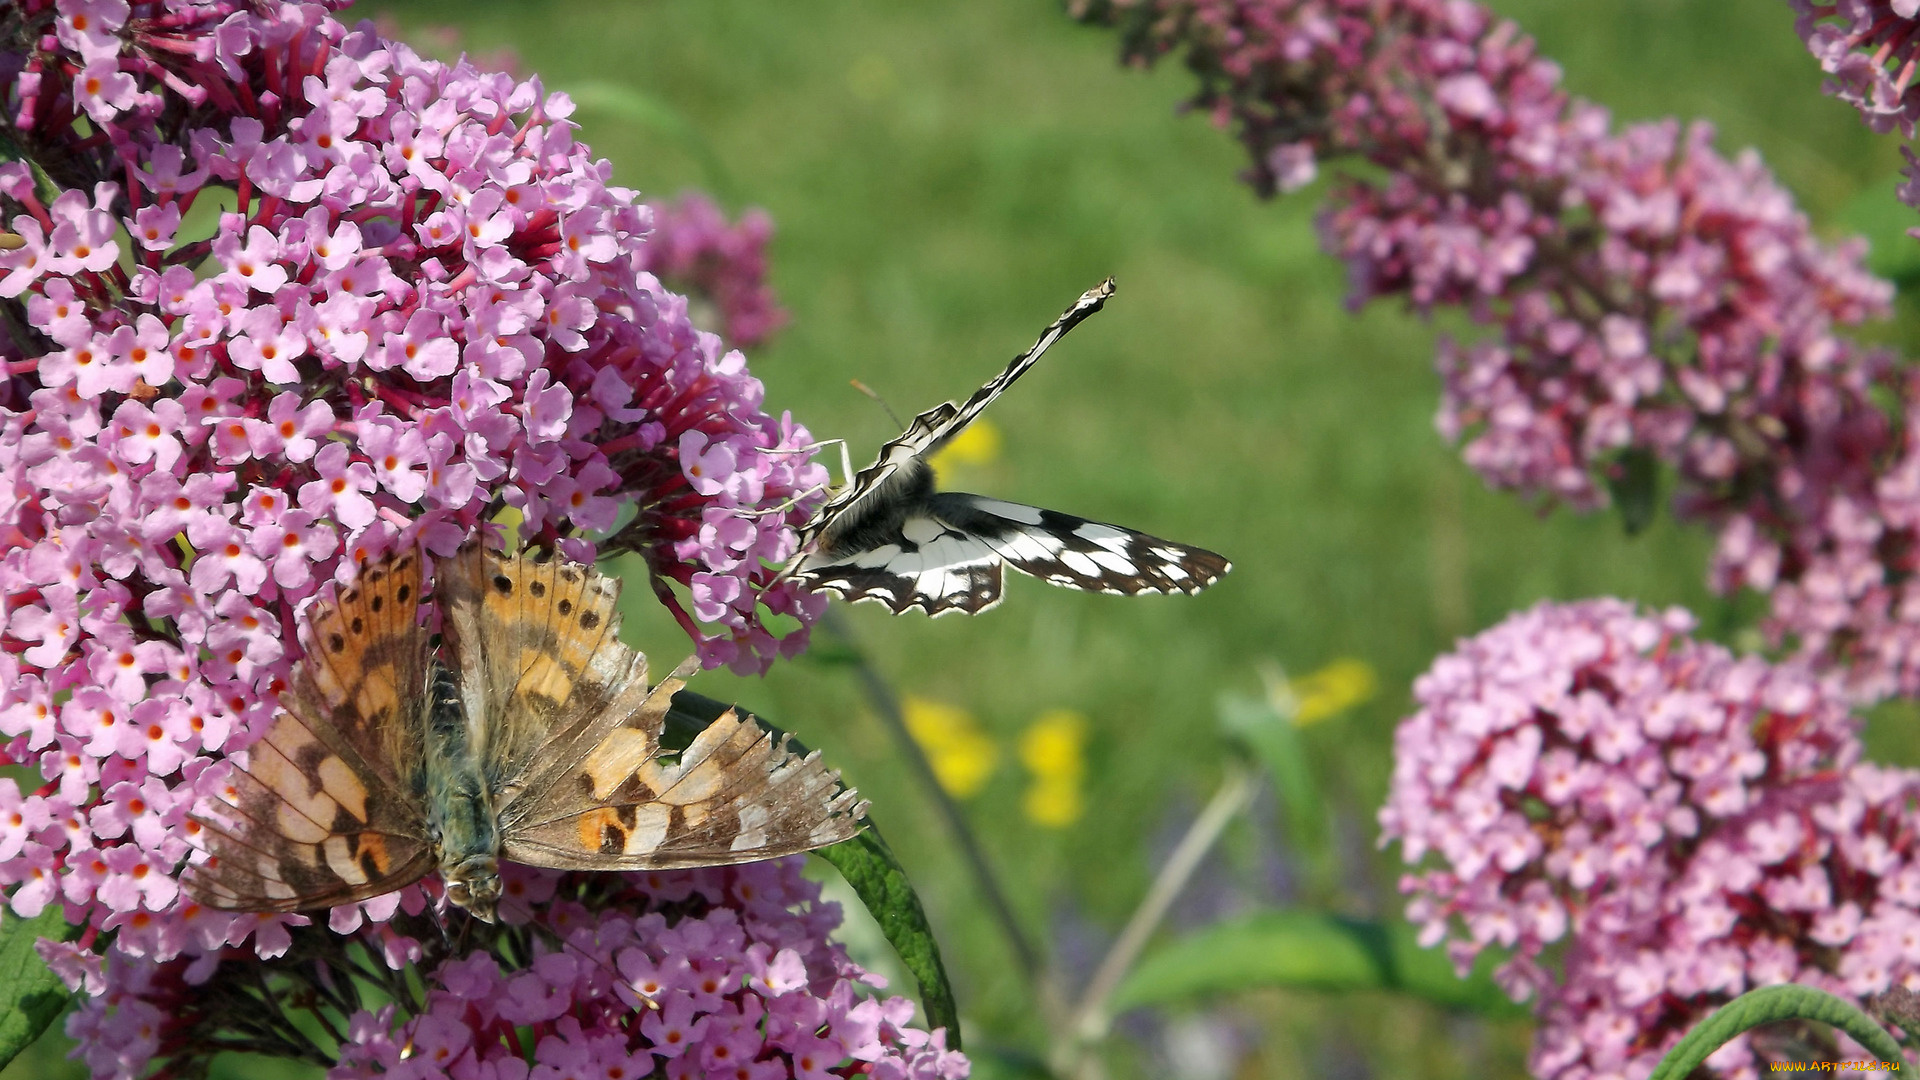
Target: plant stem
(1090,1020)
(887,704)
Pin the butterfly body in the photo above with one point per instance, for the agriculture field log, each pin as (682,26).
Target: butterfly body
(462,825)
(530,735)
(891,538)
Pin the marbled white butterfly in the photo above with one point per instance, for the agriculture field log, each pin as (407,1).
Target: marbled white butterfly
(889,537)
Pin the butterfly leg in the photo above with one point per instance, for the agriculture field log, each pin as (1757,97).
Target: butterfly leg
(785,506)
(846,462)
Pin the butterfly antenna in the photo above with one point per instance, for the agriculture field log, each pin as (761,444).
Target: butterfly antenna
(875,395)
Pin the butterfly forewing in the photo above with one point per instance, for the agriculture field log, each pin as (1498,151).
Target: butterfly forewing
(582,784)
(891,539)
(323,808)
(933,429)
(536,646)
(1078,553)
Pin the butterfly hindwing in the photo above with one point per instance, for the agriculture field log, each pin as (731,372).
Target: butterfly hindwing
(323,808)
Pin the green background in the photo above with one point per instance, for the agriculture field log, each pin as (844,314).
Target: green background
(944,179)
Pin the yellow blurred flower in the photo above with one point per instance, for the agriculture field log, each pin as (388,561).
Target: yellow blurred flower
(977,445)
(1335,688)
(1053,748)
(962,755)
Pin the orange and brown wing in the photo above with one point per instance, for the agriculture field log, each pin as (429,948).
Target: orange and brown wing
(322,809)
(536,646)
(612,800)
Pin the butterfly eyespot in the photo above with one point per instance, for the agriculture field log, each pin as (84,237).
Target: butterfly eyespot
(537,588)
(589,619)
(565,606)
(503,584)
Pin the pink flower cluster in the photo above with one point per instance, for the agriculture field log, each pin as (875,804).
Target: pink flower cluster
(1681,825)
(1872,49)
(719,974)
(426,306)
(696,251)
(1648,299)
(720,267)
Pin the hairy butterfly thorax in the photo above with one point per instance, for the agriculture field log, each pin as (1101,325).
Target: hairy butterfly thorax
(531,735)
(891,538)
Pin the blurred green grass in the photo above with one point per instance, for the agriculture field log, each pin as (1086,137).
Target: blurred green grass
(944,179)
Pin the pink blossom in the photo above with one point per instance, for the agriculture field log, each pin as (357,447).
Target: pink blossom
(1664,904)
(571,1000)
(1647,303)
(722,266)
(201,434)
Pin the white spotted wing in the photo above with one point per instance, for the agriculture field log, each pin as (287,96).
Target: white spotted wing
(889,537)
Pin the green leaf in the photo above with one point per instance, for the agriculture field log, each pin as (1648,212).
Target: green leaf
(868,865)
(1309,950)
(1764,1006)
(30,995)
(1274,740)
(1635,483)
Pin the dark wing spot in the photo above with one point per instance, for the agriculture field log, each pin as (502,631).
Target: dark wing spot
(307,760)
(404,592)
(405,563)
(537,587)
(565,606)
(377,574)
(335,643)
(613,839)
(589,619)
(571,574)
(503,584)
(377,602)
(358,625)
(351,596)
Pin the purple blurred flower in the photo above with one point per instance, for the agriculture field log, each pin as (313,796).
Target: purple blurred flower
(1677,824)
(1648,299)
(1871,48)
(695,250)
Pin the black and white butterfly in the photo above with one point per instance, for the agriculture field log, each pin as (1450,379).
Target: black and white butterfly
(889,537)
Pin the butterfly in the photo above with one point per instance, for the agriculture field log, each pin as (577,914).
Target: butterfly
(536,739)
(889,537)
